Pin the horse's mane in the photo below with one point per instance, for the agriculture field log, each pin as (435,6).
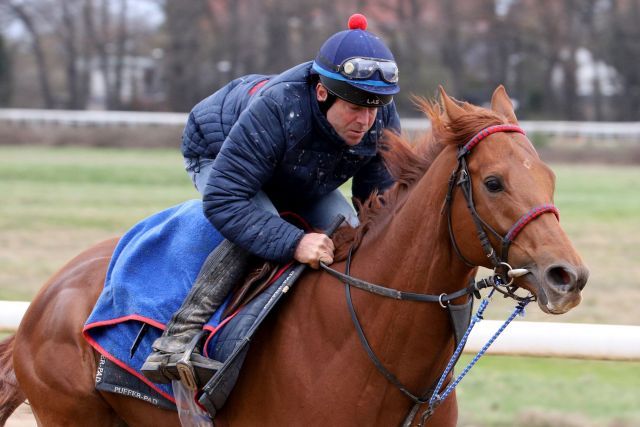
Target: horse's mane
(408,159)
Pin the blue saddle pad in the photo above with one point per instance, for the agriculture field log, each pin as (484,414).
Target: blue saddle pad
(151,272)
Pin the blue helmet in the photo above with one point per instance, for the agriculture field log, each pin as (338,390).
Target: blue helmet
(355,65)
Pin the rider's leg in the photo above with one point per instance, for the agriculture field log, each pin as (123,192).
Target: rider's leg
(321,213)
(223,269)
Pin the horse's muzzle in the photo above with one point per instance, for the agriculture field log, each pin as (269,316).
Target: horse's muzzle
(559,285)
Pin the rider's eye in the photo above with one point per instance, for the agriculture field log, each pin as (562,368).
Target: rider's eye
(493,184)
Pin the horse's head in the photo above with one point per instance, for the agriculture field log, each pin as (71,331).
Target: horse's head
(502,192)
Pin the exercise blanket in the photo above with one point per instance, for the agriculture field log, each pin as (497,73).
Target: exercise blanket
(152,269)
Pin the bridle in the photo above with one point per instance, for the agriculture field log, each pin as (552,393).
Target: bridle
(462,178)
(503,277)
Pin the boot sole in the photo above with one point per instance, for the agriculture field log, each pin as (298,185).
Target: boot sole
(166,371)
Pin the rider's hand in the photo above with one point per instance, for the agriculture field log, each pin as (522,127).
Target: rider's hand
(313,248)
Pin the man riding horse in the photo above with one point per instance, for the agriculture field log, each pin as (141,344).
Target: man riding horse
(265,144)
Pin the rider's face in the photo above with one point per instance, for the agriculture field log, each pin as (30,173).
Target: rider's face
(350,121)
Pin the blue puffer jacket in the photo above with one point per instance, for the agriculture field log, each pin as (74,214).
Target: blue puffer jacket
(272,136)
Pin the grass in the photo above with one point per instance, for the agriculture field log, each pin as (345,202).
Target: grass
(505,391)
(87,188)
(58,201)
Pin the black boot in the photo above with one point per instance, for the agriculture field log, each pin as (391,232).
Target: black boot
(176,354)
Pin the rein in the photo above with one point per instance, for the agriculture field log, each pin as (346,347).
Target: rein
(442,299)
(501,281)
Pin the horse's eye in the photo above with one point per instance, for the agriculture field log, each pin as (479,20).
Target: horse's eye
(493,184)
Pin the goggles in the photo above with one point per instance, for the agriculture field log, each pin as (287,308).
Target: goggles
(363,68)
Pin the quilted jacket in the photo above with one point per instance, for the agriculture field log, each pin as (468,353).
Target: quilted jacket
(268,133)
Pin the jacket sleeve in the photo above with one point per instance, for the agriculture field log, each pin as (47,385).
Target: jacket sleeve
(245,163)
(375,175)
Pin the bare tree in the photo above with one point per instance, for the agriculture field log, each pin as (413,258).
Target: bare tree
(24,14)
(184,52)
(120,54)
(68,33)
(5,74)
(622,49)
(451,44)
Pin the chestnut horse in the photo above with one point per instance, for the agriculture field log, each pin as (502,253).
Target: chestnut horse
(306,366)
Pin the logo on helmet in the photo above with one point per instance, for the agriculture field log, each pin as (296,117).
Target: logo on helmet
(374,101)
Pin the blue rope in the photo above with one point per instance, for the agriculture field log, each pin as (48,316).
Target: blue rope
(437,398)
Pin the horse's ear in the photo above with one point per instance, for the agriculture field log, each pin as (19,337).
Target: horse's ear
(501,104)
(451,108)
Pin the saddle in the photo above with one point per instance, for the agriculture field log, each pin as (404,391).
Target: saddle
(256,281)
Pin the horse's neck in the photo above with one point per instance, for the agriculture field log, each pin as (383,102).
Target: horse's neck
(411,253)
(414,251)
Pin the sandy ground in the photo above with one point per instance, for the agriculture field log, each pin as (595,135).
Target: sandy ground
(21,418)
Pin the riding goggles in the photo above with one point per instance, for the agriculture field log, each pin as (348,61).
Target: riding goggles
(364,68)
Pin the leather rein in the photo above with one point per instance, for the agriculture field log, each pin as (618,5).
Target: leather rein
(501,280)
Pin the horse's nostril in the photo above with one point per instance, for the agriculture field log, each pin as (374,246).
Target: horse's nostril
(583,276)
(559,276)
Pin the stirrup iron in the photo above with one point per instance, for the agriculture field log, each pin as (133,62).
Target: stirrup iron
(184,366)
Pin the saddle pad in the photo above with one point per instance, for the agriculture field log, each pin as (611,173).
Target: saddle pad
(113,379)
(151,272)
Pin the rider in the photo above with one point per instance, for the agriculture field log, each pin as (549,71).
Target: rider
(263,144)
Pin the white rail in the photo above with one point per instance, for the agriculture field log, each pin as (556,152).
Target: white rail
(136,118)
(91,118)
(569,340)
(11,313)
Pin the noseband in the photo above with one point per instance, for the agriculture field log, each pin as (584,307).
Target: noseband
(462,178)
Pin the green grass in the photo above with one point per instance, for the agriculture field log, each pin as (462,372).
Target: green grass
(598,193)
(105,189)
(58,201)
(519,391)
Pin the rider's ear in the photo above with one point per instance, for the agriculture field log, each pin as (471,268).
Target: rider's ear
(501,103)
(451,108)
(321,92)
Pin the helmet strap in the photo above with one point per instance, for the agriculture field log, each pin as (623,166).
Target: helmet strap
(329,101)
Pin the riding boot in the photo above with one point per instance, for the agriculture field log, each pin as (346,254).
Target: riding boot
(178,350)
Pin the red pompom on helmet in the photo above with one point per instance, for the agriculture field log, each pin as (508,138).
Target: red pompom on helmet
(357,21)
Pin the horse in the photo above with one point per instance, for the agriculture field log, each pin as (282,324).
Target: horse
(306,365)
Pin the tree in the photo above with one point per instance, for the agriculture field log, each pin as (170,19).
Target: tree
(5,74)
(24,13)
(185,53)
(622,49)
